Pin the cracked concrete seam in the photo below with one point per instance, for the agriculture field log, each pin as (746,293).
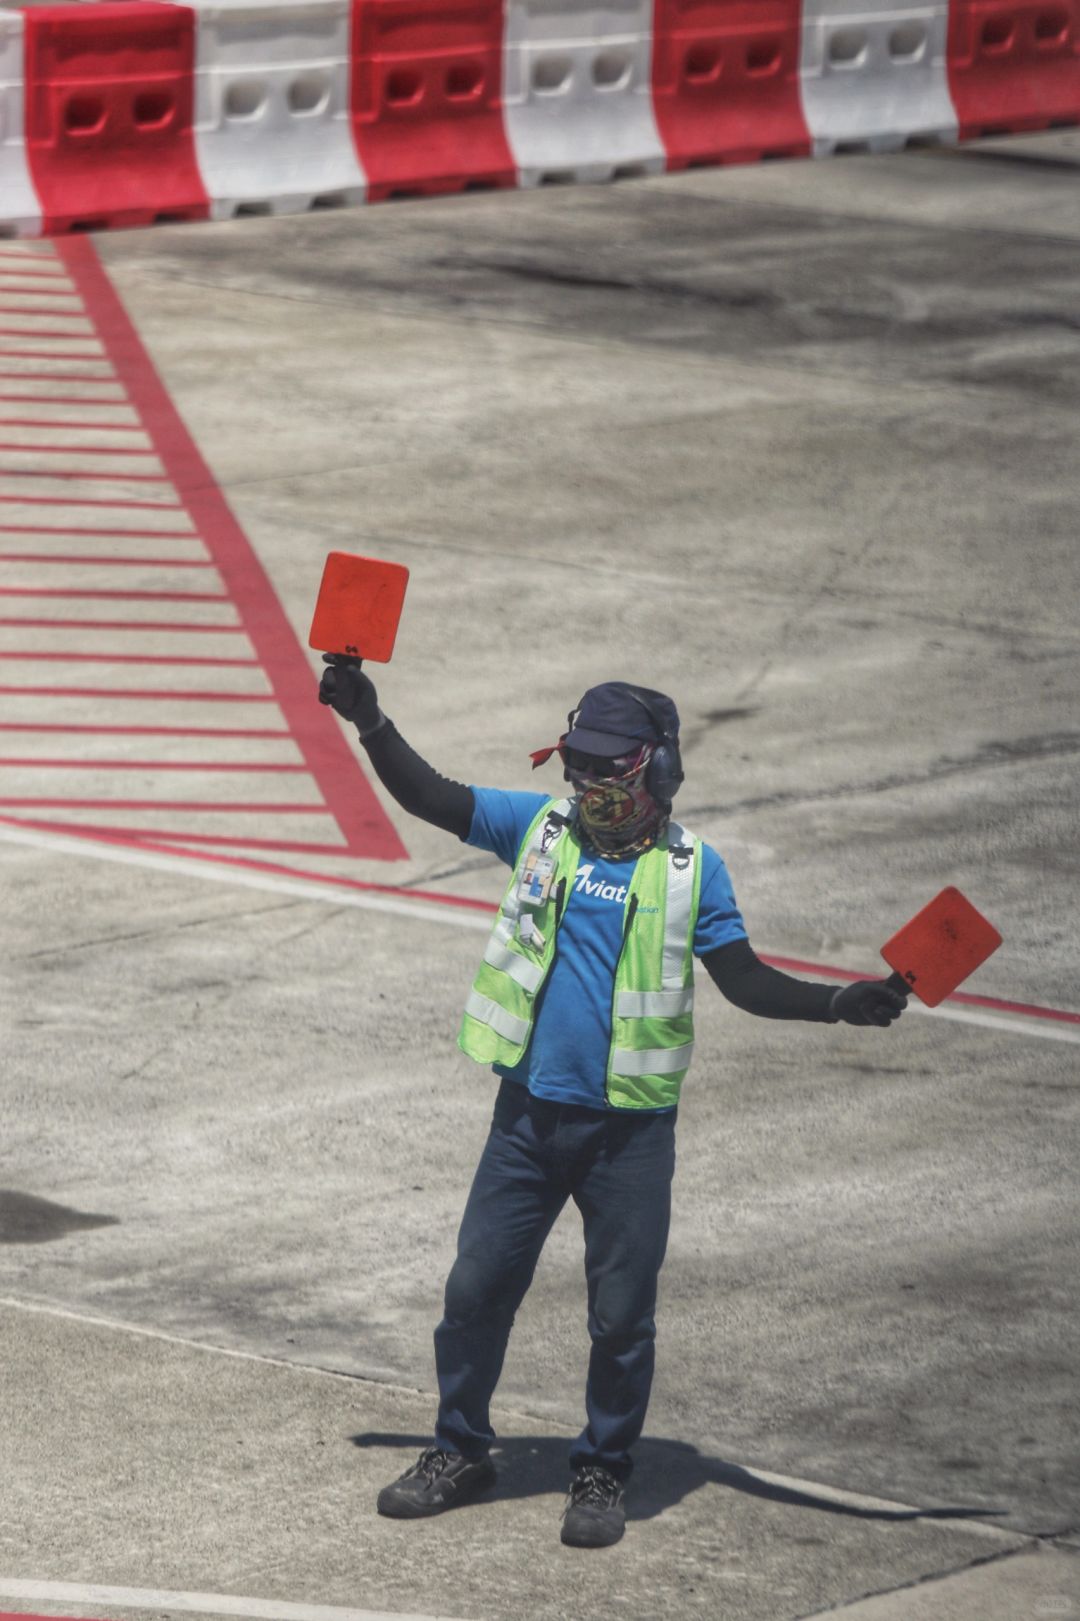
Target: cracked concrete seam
(1027,1546)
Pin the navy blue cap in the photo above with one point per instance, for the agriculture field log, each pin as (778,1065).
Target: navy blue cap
(609,720)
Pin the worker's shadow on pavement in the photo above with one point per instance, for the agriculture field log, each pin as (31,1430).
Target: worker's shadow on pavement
(665,1472)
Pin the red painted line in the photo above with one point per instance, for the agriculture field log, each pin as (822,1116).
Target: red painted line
(68,399)
(23,1615)
(139,697)
(136,835)
(21,654)
(74,450)
(96,478)
(100,562)
(145,731)
(107,379)
(100,534)
(113,596)
(116,504)
(127,624)
(62,422)
(998,1004)
(35,332)
(367,829)
(210,806)
(50,354)
(154,765)
(73,503)
(158,842)
(35,275)
(1028,1009)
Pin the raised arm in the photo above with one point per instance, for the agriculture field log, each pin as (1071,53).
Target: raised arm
(417,786)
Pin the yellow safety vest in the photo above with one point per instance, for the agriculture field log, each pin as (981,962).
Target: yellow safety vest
(652,1026)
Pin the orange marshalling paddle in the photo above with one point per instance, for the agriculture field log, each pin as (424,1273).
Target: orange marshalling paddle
(358,607)
(939,948)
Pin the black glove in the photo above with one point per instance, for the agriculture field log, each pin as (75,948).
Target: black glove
(346,688)
(868,1001)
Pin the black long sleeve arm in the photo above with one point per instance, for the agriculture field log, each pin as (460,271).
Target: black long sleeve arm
(752,985)
(418,787)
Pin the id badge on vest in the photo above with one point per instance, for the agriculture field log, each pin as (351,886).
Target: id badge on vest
(534,885)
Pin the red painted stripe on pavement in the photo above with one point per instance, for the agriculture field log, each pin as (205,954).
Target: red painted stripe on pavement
(99,562)
(72,450)
(53,354)
(116,505)
(210,806)
(136,835)
(153,841)
(997,1004)
(59,377)
(144,731)
(99,534)
(355,806)
(64,657)
(140,697)
(267,767)
(62,422)
(114,596)
(25,1615)
(127,624)
(69,399)
(36,332)
(89,478)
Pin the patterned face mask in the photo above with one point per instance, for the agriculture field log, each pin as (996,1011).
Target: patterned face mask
(616,813)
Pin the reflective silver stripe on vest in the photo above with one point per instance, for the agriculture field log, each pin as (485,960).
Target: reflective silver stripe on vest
(496,1018)
(680,900)
(528,974)
(652,1061)
(654,1004)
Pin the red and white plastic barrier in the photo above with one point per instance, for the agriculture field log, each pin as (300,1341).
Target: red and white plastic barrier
(874,74)
(579,90)
(120,112)
(272,127)
(20,211)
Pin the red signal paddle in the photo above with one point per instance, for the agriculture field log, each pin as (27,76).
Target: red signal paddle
(358,607)
(939,948)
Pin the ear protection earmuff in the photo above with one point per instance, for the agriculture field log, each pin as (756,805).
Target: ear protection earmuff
(665,771)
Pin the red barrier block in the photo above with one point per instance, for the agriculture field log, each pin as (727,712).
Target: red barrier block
(1014,64)
(427,96)
(109,93)
(726,80)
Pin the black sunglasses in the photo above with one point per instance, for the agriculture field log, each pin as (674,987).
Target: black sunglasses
(601,765)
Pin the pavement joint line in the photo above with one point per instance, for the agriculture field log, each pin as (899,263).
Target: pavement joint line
(827,1493)
(1028,1546)
(337,895)
(217,1604)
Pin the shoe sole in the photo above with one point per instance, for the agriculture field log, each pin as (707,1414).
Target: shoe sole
(600,1542)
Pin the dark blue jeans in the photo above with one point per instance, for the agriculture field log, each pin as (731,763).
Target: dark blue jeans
(617,1168)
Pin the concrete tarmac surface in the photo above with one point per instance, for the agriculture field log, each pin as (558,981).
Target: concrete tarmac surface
(797,444)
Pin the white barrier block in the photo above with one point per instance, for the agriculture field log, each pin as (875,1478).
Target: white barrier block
(577,90)
(20,211)
(873,74)
(272,127)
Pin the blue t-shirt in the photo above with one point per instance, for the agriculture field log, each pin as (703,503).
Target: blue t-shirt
(566,1060)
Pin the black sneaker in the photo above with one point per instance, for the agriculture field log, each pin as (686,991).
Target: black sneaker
(594,1516)
(437,1481)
